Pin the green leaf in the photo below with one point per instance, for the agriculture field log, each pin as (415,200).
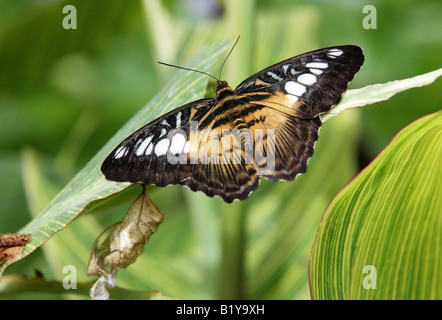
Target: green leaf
(89,187)
(379,92)
(389,217)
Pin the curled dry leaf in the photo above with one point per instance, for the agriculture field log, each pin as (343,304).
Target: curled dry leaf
(125,243)
(128,238)
(11,246)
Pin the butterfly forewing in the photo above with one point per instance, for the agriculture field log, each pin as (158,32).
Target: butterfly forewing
(158,153)
(267,126)
(310,83)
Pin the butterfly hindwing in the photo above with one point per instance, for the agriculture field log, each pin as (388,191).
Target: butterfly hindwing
(287,145)
(267,126)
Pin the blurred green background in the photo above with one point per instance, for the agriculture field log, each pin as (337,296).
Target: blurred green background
(64,93)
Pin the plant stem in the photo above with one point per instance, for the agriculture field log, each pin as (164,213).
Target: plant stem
(231,272)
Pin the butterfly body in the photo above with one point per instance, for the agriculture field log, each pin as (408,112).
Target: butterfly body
(267,126)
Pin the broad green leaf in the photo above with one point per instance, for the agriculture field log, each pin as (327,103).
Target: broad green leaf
(89,186)
(390,218)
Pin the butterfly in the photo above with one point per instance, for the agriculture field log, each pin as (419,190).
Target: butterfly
(266,127)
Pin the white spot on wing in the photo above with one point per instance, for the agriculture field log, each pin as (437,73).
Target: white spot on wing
(316,71)
(163,133)
(186,147)
(293,71)
(143,146)
(319,65)
(295,88)
(292,98)
(177,144)
(178,120)
(307,79)
(335,53)
(149,149)
(274,76)
(162,147)
(120,152)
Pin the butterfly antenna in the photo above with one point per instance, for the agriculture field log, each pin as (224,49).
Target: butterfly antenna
(227,57)
(171,65)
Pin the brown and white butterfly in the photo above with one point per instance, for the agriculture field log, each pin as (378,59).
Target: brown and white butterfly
(267,126)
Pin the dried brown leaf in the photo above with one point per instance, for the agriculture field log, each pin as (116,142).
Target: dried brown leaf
(128,239)
(11,246)
(124,244)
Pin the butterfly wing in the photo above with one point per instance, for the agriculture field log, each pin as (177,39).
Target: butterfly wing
(288,97)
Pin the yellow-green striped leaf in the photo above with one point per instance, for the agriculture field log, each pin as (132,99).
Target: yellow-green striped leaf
(381,237)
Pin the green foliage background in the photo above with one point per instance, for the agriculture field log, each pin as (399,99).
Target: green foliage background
(64,93)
